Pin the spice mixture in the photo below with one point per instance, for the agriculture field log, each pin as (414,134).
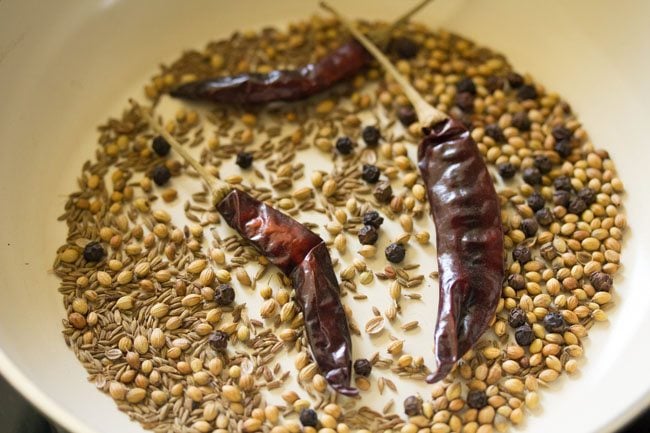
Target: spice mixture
(185,325)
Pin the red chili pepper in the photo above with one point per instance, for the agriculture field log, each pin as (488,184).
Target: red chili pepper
(467,214)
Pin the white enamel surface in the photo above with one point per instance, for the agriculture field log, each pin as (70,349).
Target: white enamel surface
(66,66)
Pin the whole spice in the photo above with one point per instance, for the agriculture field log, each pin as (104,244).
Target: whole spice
(517,317)
(368,235)
(362,367)
(383,192)
(563,148)
(413,405)
(515,80)
(495,132)
(405,48)
(544,216)
(587,195)
(372,218)
(302,256)
(395,252)
(93,252)
(371,135)
(526,91)
(370,173)
(529,226)
(563,183)
(516,281)
(521,254)
(244,159)
(160,146)
(520,121)
(218,340)
(532,176)
(561,198)
(344,145)
(554,322)
(467,215)
(576,205)
(506,170)
(477,399)
(407,116)
(309,418)
(543,163)
(601,281)
(224,295)
(524,335)
(535,201)
(161,175)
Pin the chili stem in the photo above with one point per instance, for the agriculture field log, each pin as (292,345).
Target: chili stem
(427,114)
(217,187)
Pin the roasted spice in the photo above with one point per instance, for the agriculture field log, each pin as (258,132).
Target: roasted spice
(563,148)
(309,417)
(371,135)
(362,367)
(544,216)
(494,83)
(554,322)
(576,205)
(516,281)
(506,170)
(383,192)
(524,335)
(520,121)
(161,175)
(517,317)
(535,201)
(405,48)
(587,195)
(561,198)
(526,92)
(521,253)
(344,145)
(368,235)
(543,163)
(413,405)
(532,176)
(224,295)
(495,132)
(372,218)
(370,173)
(160,146)
(466,84)
(601,281)
(218,340)
(395,253)
(477,399)
(563,183)
(94,252)
(548,251)
(561,133)
(515,80)
(465,101)
(407,116)
(529,226)
(244,159)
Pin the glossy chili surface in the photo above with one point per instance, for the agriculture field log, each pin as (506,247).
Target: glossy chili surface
(302,256)
(467,215)
(280,85)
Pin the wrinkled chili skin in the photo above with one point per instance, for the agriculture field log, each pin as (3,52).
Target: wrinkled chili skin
(280,85)
(302,256)
(467,215)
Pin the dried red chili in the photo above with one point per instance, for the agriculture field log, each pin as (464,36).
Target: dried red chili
(301,255)
(466,210)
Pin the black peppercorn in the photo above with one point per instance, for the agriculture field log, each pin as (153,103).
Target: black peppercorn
(588,195)
(372,218)
(535,201)
(554,322)
(309,418)
(601,281)
(383,192)
(218,340)
(543,163)
(544,216)
(563,183)
(576,206)
(370,173)
(532,176)
(495,132)
(344,145)
(362,367)
(466,85)
(494,83)
(517,317)
(412,406)
(477,399)
(368,235)
(224,295)
(405,48)
(517,282)
(244,159)
(524,335)
(160,146)
(561,133)
(526,92)
(407,116)
(521,253)
(548,251)
(465,101)
(561,198)
(515,80)
(395,252)
(161,175)
(94,252)
(520,121)
(371,135)
(506,170)
(563,148)
(529,226)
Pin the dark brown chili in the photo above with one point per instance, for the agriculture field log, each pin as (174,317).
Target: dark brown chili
(301,255)
(467,214)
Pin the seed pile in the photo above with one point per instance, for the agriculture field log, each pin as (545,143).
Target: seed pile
(157,304)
